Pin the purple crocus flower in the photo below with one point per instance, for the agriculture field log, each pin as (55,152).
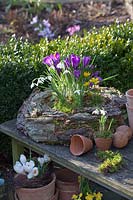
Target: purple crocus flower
(75,60)
(67,62)
(86,60)
(95,74)
(77,73)
(56,58)
(47,60)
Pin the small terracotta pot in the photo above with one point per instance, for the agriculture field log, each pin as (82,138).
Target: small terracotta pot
(120,139)
(80,144)
(126,129)
(103,144)
(46,192)
(66,183)
(129,96)
(130,115)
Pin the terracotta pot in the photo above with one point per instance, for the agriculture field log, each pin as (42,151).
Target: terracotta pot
(126,129)
(120,139)
(46,192)
(80,144)
(129,96)
(103,144)
(67,184)
(130,115)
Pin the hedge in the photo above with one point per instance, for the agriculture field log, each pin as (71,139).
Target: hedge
(21,61)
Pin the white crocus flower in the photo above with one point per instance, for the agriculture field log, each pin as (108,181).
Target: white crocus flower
(34,20)
(41,160)
(30,175)
(46,158)
(22,159)
(35,171)
(29,166)
(18,168)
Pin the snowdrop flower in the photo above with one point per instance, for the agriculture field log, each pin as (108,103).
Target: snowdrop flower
(18,168)
(103,112)
(77,92)
(32,85)
(34,20)
(60,65)
(95,112)
(40,80)
(29,166)
(22,159)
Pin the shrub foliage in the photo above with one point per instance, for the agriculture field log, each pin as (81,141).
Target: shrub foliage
(21,61)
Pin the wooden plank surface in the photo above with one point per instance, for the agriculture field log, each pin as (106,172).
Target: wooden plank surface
(87,165)
(72,1)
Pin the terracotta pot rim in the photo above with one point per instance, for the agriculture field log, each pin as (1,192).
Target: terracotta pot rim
(128,93)
(104,138)
(39,188)
(129,107)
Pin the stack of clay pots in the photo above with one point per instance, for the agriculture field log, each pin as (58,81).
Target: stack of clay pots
(129,106)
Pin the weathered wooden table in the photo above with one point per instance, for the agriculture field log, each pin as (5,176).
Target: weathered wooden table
(86,165)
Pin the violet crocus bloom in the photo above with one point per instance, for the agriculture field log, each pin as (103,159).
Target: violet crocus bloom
(72,29)
(77,73)
(67,62)
(86,60)
(95,74)
(75,61)
(56,58)
(47,61)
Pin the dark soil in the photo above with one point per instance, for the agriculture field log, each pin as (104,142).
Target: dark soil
(17,19)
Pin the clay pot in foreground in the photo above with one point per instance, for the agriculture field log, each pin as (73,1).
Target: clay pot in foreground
(80,144)
(46,192)
(130,115)
(129,96)
(126,129)
(66,183)
(103,144)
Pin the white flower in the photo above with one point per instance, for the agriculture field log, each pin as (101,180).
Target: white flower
(34,20)
(41,160)
(46,158)
(29,166)
(33,173)
(22,159)
(77,92)
(41,80)
(95,112)
(18,168)
(32,85)
(30,175)
(60,65)
(103,112)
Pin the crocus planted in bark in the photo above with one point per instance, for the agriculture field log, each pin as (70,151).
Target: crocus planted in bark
(86,60)
(75,60)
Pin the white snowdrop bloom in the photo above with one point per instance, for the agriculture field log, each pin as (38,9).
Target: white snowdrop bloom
(22,159)
(41,80)
(60,65)
(77,92)
(29,166)
(46,158)
(103,112)
(18,168)
(32,85)
(96,112)
(35,171)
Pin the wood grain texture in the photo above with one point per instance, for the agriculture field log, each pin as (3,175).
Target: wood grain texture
(87,165)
